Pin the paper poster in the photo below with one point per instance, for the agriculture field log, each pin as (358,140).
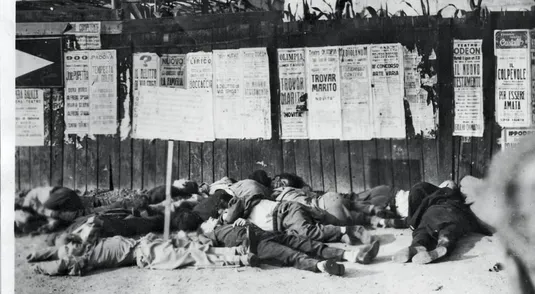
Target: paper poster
(146,73)
(292,86)
(228,93)
(173,114)
(87,34)
(29,117)
(513,97)
(511,137)
(77,108)
(199,70)
(172,68)
(532,38)
(388,90)
(256,105)
(355,92)
(423,117)
(468,88)
(323,88)
(103,92)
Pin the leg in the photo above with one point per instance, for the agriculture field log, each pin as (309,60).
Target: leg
(338,209)
(271,250)
(310,247)
(421,240)
(130,226)
(298,220)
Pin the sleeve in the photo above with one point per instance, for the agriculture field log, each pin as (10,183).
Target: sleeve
(62,267)
(236,209)
(43,255)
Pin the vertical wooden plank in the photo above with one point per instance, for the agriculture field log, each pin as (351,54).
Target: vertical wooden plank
(316,169)
(124,112)
(80,156)
(430,161)
(246,157)
(149,163)
(17,170)
(356,161)
(234,158)
(160,162)
(465,159)
(69,162)
(195,160)
(92,164)
(416,166)
(208,162)
(220,159)
(57,133)
(25,171)
(35,164)
(43,153)
(384,162)
(137,164)
(288,156)
(342,168)
(302,160)
(369,155)
(400,164)
(328,165)
(183,160)
(104,151)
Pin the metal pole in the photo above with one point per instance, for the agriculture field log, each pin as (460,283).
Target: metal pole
(167,220)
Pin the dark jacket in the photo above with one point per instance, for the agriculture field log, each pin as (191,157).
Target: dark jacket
(241,207)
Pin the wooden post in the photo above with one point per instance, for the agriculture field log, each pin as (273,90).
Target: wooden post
(167,220)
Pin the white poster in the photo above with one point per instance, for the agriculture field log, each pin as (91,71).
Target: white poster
(532,38)
(146,73)
(228,93)
(355,92)
(292,85)
(29,117)
(388,90)
(513,97)
(323,88)
(103,92)
(173,114)
(172,70)
(77,108)
(468,88)
(87,34)
(511,137)
(256,105)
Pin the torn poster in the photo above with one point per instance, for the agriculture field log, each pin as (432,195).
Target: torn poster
(103,92)
(388,90)
(256,103)
(532,49)
(511,137)
(423,117)
(29,117)
(292,85)
(468,88)
(228,93)
(323,88)
(173,114)
(199,76)
(87,34)
(513,78)
(77,108)
(172,70)
(146,71)
(355,93)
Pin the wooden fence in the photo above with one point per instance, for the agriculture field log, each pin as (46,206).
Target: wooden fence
(107,162)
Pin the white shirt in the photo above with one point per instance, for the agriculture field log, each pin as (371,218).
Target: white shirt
(262,215)
(402,203)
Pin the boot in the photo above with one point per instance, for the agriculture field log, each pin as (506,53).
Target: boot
(358,233)
(331,267)
(406,254)
(368,253)
(425,257)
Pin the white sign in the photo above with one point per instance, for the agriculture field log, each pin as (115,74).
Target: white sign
(323,88)
(77,107)
(29,117)
(292,85)
(513,69)
(468,88)
(103,92)
(511,137)
(146,73)
(172,70)
(388,90)
(87,34)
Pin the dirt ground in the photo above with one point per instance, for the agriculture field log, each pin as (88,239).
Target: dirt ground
(465,271)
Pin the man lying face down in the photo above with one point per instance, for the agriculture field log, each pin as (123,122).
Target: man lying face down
(287,250)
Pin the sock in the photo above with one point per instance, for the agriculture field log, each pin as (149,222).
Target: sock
(343,230)
(321,266)
(350,256)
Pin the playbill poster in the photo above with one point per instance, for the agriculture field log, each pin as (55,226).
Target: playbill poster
(323,88)
(228,93)
(77,107)
(172,70)
(103,92)
(146,71)
(256,103)
(292,85)
(513,97)
(532,39)
(511,137)
(387,84)
(87,34)
(355,92)
(29,117)
(173,114)
(468,88)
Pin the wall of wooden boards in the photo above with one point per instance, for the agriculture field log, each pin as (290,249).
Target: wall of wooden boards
(107,162)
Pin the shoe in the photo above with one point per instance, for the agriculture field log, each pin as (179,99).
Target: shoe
(425,257)
(356,233)
(331,267)
(250,259)
(406,254)
(396,223)
(253,240)
(368,252)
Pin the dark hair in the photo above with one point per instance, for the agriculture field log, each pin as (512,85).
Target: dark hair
(294,180)
(261,177)
(186,220)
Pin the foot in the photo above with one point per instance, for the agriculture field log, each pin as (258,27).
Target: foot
(406,254)
(250,259)
(358,233)
(425,257)
(331,267)
(368,253)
